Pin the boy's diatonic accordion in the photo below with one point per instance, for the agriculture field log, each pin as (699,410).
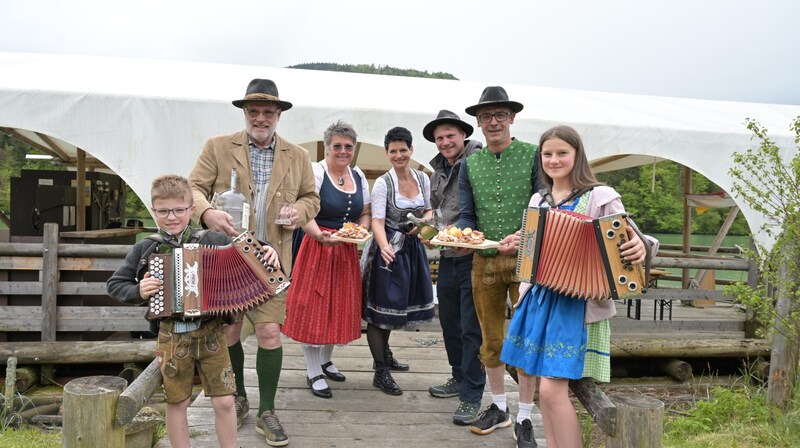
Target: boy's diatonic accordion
(199,280)
(576,255)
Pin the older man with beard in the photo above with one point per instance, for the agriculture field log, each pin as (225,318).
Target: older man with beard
(271,171)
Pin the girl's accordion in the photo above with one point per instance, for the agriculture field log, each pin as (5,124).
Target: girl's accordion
(199,280)
(576,255)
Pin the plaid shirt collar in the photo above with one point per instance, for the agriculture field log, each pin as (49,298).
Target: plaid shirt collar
(254,145)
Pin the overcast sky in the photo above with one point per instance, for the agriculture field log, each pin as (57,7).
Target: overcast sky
(715,49)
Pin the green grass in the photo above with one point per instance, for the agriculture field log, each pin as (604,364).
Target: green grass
(734,418)
(28,437)
(159,433)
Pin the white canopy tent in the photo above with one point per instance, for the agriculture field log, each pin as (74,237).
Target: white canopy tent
(141,118)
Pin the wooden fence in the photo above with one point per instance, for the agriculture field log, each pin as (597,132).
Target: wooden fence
(51,260)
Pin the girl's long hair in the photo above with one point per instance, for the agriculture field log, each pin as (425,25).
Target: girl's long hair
(581,175)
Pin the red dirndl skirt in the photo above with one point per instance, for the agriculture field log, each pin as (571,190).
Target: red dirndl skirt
(323,305)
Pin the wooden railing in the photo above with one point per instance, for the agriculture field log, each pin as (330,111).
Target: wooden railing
(50,259)
(41,313)
(671,260)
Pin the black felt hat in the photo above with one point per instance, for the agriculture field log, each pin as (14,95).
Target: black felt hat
(263,90)
(445,117)
(494,96)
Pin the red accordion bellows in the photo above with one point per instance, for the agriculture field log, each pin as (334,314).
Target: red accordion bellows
(203,280)
(576,255)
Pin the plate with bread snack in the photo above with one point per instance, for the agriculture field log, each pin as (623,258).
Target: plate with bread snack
(453,236)
(352,232)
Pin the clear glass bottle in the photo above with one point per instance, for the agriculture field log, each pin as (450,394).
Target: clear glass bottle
(234,203)
(425,229)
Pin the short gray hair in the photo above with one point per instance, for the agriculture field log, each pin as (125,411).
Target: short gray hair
(339,128)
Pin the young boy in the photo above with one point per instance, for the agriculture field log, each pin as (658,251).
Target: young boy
(182,344)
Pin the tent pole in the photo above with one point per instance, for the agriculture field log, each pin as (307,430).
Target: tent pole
(320,150)
(653,178)
(687,221)
(355,155)
(80,191)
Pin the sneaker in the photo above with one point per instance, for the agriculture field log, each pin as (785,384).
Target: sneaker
(467,412)
(242,409)
(269,426)
(491,419)
(448,389)
(523,434)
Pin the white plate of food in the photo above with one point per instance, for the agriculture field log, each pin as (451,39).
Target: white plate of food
(466,238)
(351,233)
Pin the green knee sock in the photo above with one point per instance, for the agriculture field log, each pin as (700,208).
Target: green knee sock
(236,352)
(268,368)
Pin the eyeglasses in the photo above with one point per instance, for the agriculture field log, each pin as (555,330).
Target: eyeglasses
(499,116)
(179,212)
(339,147)
(268,114)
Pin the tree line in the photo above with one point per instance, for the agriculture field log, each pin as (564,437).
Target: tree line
(372,69)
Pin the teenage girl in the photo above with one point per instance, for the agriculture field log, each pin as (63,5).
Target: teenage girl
(552,336)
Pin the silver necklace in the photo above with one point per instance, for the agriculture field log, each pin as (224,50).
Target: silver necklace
(340,181)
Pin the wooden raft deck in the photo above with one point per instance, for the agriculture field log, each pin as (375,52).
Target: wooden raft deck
(359,415)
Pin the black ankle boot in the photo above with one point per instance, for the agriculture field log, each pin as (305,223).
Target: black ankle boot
(383,380)
(394,364)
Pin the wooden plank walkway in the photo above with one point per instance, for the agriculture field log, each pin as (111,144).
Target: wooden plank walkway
(359,415)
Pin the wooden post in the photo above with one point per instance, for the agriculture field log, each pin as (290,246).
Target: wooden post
(602,410)
(783,358)
(639,422)
(49,291)
(80,191)
(687,221)
(11,380)
(137,394)
(751,327)
(90,404)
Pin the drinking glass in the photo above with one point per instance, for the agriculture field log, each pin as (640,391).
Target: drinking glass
(438,219)
(284,213)
(396,241)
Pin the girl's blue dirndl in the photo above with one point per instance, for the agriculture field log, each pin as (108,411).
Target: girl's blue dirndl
(547,336)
